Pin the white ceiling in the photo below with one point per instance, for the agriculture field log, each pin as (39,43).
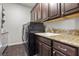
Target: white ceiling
(30,5)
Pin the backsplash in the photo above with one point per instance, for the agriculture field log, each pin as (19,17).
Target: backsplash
(70,26)
(72,32)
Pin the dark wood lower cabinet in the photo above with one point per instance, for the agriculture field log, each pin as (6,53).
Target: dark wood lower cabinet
(43,49)
(66,49)
(39,48)
(46,50)
(54,48)
(57,53)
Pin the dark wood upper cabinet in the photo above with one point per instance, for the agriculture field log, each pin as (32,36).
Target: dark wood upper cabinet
(44,10)
(35,14)
(49,11)
(32,15)
(38,12)
(54,10)
(68,8)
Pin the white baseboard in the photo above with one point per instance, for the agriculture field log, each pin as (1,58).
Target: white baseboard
(17,43)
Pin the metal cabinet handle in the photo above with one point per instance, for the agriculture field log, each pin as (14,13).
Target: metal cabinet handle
(62,48)
(54,53)
(62,13)
(40,44)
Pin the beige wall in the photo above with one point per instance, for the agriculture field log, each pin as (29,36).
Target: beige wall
(16,16)
(0,20)
(0,15)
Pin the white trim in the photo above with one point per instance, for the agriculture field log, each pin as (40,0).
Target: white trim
(17,43)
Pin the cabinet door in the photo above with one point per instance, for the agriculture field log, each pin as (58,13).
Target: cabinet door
(44,9)
(54,10)
(38,12)
(32,15)
(39,48)
(69,8)
(46,50)
(57,53)
(35,14)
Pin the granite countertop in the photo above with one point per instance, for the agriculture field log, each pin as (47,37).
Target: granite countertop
(64,38)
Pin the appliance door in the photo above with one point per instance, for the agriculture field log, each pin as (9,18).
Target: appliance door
(3,42)
(25,33)
(36,28)
(31,44)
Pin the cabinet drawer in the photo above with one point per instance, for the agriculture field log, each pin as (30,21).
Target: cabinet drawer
(45,40)
(57,53)
(65,48)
